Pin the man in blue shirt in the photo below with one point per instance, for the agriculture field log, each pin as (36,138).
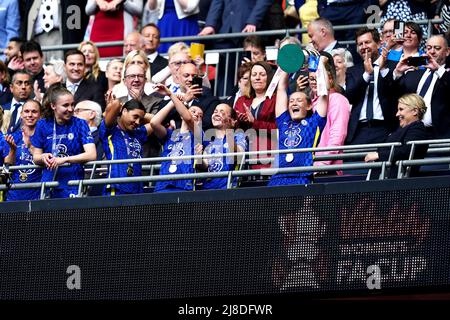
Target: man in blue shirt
(9,22)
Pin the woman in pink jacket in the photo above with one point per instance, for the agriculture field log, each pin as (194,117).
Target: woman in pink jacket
(338,115)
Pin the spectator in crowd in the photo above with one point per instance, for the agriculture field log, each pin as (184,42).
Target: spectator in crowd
(410,112)
(62,138)
(372,117)
(338,114)
(133,41)
(297,126)
(243,79)
(179,53)
(123,131)
(431,83)
(344,12)
(43,23)
(9,22)
(113,73)
(82,89)
(223,140)
(33,60)
(20,154)
(54,72)
(390,42)
(255,110)
(179,142)
(135,79)
(233,16)
(5,92)
(92,67)
(91,112)
(13,55)
(255,46)
(408,46)
(152,36)
(176,18)
(193,95)
(21,90)
(342,61)
(137,57)
(113,21)
(405,10)
(321,33)
(176,60)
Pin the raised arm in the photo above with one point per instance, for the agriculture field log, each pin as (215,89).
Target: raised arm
(281,104)
(11,157)
(323,87)
(179,106)
(157,121)
(112,112)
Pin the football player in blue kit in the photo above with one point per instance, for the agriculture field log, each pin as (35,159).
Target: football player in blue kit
(224,140)
(19,154)
(178,142)
(123,133)
(60,138)
(297,126)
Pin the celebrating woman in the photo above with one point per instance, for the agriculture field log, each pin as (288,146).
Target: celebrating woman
(60,138)
(19,154)
(123,133)
(177,142)
(410,112)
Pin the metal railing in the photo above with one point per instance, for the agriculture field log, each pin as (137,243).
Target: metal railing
(437,146)
(96,167)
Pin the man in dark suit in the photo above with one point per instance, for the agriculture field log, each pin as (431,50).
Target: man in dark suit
(151,35)
(432,83)
(33,61)
(82,89)
(321,33)
(21,89)
(373,114)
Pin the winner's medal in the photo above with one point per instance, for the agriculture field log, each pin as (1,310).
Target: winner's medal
(130,171)
(173,168)
(23,176)
(289,157)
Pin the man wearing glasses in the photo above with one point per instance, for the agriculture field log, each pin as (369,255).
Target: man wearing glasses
(134,79)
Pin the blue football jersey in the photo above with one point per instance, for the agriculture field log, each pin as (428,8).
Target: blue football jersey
(177,144)
(24,157)
(220,146)
(295,135)
(120,144)
(63,141)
